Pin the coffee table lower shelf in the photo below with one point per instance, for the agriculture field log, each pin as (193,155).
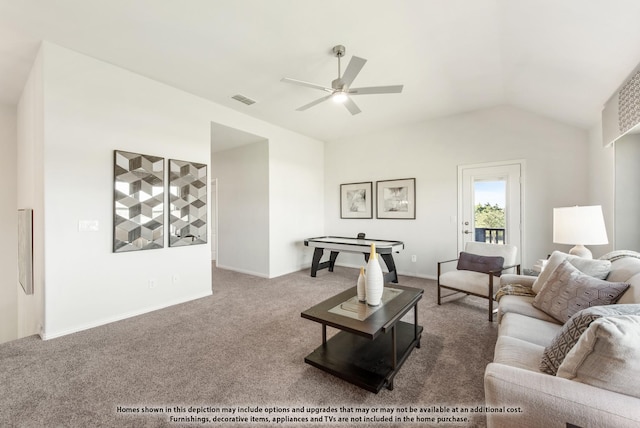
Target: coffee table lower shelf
(364,362)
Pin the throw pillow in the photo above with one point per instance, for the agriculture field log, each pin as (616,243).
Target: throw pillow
(568,291)
(607,355)
(478,263)
(596,268)
(568,336)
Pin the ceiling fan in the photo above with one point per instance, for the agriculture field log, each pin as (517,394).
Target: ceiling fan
(340,90)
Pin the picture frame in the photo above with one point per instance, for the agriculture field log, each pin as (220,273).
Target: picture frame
(396,199)
(356,200)
(138,202)
(188,206)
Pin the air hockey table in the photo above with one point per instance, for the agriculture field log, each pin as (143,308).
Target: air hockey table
(337,244)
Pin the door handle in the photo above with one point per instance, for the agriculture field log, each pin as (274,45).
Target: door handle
(467,232)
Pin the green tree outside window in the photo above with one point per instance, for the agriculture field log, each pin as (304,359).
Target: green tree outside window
(489,216)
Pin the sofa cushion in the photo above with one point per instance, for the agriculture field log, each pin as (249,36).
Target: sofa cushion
(478,263)
(624,268)
(632,295)
(521,305)
(568,336)
(517,353)
(511,278)
(568,291)
(607,355)
(596,268)
(529,329)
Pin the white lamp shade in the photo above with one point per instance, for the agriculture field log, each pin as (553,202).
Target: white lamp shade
(579,225)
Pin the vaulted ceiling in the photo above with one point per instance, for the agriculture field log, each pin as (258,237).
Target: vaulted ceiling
(559,58)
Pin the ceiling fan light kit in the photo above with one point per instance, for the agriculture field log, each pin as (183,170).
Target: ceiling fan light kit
(339,97)
(340,91)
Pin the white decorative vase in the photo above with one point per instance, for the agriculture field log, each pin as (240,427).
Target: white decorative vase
(374,280)
(362,295)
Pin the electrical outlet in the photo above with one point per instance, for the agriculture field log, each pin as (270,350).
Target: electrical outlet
(414,258)
(152,283)
(175,279)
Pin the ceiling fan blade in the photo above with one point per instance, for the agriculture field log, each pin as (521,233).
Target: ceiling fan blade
(351,106)
(306,84)
(354,67)
(394,89)
(313,103)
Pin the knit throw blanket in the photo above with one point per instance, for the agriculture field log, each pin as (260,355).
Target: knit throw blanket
(514,290)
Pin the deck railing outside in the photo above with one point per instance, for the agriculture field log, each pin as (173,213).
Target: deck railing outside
(490,235)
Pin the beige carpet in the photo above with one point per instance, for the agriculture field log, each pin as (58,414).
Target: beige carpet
(242,350)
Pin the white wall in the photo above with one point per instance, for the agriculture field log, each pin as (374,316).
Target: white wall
(243,208)
(296,203)
(74,112)
(555,155)
(627,193)
(30,188)
(601,182)
(9,285)
(90,109)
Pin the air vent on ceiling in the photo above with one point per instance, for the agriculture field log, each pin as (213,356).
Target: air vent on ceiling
(243,99)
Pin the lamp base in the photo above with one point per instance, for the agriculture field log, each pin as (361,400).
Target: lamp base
(581,251)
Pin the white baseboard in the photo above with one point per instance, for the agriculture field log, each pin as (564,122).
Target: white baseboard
(120,317)
(416,275)
(248,272)
(307,266)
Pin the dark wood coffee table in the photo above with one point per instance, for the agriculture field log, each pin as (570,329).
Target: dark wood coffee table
(366,352)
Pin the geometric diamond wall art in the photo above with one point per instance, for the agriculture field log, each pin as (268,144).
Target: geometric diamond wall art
(187,203)
(138,219)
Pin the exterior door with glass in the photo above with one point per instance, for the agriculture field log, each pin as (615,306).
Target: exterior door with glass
(490,207)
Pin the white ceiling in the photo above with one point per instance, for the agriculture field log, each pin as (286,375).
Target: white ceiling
(559,58)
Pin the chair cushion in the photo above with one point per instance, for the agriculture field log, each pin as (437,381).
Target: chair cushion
(467,280)
(607,355)
(568,291)
(568,336)
(478,263)
(509,252)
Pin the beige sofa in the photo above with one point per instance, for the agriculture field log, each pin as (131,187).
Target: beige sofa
(519,394)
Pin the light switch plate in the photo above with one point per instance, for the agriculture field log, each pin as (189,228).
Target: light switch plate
(88,226)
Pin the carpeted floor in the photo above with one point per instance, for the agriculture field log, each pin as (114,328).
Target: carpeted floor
(237,356)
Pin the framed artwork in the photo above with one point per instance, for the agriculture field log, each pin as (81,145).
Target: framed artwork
(187,203)
(25,249)
(356,200)
(396,199)
(138,217)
